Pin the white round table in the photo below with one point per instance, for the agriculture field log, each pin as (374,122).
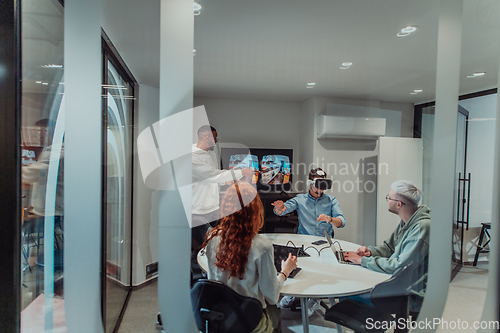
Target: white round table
(321,275)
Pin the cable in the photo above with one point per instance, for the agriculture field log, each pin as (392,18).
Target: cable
(312,247)
(326,247)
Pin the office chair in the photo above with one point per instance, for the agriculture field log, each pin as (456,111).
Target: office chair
(388,298)
(218,308)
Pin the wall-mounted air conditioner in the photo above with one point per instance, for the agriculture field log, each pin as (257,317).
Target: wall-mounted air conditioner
(350,127)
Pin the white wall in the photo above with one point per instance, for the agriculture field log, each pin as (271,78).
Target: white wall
(254,123)
(353,164)
(145,242)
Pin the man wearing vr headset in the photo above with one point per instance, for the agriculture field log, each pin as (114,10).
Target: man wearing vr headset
(317,211)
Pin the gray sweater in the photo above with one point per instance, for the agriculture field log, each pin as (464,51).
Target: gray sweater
(408,243)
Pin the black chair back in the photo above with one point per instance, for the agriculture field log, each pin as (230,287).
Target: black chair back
(223,309)
(392,294)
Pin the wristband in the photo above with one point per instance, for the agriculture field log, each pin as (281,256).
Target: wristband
(284,274)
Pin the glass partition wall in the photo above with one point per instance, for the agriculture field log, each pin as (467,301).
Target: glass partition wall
(42,167)
(118,98)
(42,174)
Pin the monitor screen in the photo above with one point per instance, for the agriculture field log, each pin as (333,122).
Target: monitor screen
(272,166)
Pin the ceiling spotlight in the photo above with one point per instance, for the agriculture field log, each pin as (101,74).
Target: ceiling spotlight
(52,66)
(310,85)
(194,52)
(347,64)
(417,90)
(476,74)
(197,8)
(409,29)
(39,82)
(406,31)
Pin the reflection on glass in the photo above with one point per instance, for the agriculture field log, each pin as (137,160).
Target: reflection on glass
(117,93)
(42,151)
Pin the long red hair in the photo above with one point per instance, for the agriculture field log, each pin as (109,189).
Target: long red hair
(237,228)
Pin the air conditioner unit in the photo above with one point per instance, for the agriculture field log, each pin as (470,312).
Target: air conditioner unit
(350,127)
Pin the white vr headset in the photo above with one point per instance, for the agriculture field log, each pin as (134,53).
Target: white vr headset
(320,183)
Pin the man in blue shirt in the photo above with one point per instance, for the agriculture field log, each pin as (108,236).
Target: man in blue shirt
(317,211)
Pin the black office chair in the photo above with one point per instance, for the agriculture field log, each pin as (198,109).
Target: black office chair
(218,308)
(197,238)
(388,298)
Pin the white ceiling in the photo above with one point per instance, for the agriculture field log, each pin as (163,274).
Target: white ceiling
(269,50)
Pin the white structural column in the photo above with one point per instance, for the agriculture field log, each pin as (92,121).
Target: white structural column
(176,96)
(492,304)
(443,163)
(82,166)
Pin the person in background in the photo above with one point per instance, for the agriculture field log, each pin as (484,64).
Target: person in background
(207,176)
(408,243)
(317,211)
(244,260)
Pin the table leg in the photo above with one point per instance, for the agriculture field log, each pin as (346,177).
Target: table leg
(305,317)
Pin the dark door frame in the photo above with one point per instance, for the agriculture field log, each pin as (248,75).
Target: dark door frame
(10,167)
(110,53)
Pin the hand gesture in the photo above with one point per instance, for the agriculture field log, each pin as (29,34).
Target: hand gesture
(279,205)
(324,217)
(353,257)
(288,265)
(363,252)
(247,172)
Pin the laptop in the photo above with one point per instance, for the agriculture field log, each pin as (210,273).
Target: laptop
(339,254)
(281,253)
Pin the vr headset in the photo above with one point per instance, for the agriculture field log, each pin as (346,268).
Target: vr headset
(320,183)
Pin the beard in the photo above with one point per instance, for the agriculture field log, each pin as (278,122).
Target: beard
(211,148)
(392,211)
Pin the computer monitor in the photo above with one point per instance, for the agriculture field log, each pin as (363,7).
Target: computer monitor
(272,166)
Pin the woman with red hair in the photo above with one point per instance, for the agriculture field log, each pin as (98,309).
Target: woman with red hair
(244,260)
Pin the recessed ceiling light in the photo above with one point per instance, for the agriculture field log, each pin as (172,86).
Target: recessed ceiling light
(406,31)
(52,66)
(413,93)
(418,90)
(45,83)
(476,74)
(194,52)
(347,64)
(196,8)
(342,67)
(310,85)
(409,29)
(39,82)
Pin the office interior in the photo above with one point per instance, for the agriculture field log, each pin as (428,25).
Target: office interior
(104,71)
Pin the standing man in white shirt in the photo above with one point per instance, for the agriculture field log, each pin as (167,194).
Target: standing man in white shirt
(207,176)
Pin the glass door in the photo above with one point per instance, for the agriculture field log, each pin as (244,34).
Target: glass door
(462,185)
(118,97)
(462,179)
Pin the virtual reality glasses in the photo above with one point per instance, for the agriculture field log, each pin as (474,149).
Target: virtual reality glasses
(320,183)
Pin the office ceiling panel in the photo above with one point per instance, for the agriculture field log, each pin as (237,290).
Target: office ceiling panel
(270,49)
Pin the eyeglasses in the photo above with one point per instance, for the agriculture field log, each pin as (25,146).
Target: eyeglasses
(387,198)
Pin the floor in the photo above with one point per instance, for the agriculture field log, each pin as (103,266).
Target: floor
(465,302)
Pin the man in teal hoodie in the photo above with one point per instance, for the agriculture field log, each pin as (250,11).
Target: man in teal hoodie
(408,243)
